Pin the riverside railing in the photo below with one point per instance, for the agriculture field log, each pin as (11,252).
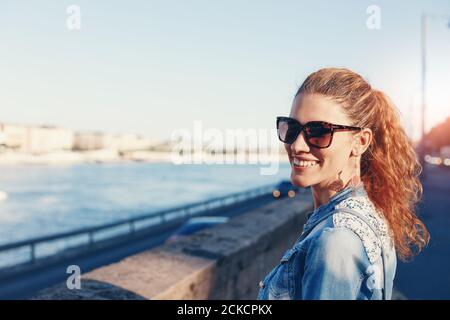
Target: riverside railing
(131,225)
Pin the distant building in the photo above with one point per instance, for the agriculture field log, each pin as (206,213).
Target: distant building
(125,142)
(42,139)
(129,142)
(13,136)
(91,141)
(35,139)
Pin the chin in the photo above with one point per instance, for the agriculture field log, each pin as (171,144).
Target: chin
(300,181)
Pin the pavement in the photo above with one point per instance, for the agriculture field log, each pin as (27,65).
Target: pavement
(428,275)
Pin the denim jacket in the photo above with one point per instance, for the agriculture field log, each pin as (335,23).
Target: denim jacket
(345,251)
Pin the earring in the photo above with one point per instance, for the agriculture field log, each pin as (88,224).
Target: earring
(355,180)
(338,184)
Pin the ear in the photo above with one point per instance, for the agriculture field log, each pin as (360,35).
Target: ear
(362,141)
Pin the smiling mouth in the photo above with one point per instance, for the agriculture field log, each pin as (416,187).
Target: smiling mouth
(304,164)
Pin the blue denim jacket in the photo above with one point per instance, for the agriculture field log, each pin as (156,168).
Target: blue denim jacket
(339,254)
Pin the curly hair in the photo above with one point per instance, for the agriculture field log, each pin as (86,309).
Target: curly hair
(390,168)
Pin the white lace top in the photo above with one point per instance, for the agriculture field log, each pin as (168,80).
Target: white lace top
(366,208)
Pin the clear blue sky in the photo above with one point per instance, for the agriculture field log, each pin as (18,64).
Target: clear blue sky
(152,67)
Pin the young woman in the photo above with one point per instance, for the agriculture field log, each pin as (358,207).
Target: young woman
(344,139)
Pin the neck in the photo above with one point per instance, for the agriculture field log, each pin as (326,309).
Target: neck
(322,195)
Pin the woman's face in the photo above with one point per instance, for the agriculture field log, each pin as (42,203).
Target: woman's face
(331,160)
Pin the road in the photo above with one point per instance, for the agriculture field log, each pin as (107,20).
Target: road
(428,275)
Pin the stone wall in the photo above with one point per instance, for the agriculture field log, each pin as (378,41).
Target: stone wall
(223,262)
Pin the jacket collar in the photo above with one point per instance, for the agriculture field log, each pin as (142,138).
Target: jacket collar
(323,209)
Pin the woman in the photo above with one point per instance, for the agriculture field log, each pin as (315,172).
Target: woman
(344,139)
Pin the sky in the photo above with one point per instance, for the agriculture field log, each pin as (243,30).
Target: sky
(152,67)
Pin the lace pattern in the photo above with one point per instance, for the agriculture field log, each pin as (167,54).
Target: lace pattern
(363,205)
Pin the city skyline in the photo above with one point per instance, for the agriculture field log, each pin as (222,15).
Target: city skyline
(151,68)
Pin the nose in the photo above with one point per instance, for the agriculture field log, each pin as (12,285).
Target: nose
(299,145)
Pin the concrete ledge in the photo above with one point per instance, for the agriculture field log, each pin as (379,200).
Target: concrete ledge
(224,262)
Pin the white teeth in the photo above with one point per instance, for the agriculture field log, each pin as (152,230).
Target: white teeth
(301,163)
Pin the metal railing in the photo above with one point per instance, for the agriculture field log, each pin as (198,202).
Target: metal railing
(162,217)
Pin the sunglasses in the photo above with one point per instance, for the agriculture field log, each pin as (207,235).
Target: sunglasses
(317,134)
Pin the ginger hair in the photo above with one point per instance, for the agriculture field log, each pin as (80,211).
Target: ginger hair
(390,168)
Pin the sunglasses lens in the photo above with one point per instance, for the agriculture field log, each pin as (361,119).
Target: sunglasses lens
(319,135)
(287,132)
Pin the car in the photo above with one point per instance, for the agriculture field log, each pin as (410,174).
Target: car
(195,224)
(285,189)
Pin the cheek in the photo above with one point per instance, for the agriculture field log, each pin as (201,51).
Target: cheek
(334,158)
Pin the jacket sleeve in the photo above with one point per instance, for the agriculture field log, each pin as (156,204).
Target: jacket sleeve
(334,266)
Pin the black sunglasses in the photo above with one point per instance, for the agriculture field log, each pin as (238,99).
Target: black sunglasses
(318,134)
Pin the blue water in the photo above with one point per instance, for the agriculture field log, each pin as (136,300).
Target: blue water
(45,200)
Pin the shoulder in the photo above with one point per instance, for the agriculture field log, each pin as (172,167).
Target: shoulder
(339,249)
(337,240)
(358,224)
